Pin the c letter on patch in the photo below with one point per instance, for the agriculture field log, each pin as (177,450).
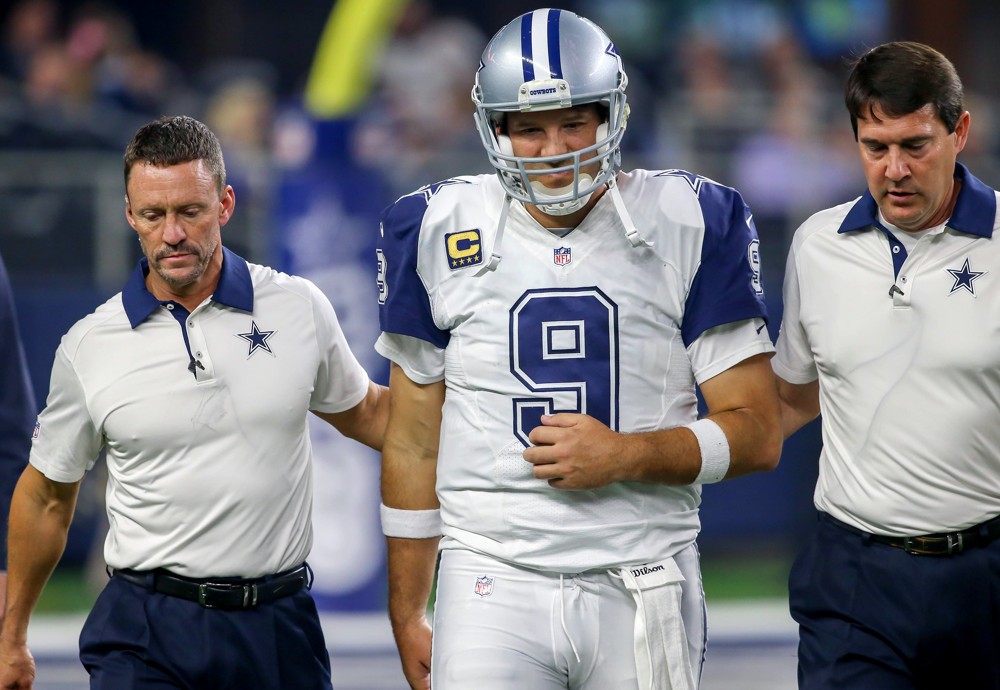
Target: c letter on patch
(465,248)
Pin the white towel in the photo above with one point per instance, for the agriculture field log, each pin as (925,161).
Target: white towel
(662,660)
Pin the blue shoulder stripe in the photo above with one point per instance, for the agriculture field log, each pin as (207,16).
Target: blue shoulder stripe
(727,286)
(404,306)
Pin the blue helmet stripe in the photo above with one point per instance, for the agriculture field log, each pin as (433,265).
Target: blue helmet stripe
(555,63)
(527,60)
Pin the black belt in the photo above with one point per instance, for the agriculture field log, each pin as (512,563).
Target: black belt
(944,544)
(221,593)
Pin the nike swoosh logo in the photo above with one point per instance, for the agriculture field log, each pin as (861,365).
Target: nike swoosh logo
(761,328)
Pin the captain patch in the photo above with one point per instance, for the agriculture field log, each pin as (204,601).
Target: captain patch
(465,248)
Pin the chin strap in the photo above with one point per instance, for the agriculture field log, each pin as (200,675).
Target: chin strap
(631,232)
(634,238)
(494,260)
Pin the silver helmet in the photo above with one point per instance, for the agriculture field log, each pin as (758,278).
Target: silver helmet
(544,60)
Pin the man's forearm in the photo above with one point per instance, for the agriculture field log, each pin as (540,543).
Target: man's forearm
(40,516)
(672,456)
(366,421)
(799,405)
(411,577)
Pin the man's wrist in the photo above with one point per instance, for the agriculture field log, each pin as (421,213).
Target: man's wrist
(714,447)
(410,524)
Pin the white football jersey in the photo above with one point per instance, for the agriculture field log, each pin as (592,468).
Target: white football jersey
(582,323)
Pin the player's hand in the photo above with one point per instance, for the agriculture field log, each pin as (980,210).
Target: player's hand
(575,451)
(414,643)
(17,667)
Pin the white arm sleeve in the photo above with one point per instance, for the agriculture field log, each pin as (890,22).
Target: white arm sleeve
(725,346)
(421,361)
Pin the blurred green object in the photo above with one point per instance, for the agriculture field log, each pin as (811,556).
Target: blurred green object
(731,577)
(342,73)
(68,591)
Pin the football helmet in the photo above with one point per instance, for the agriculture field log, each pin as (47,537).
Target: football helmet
(544,60)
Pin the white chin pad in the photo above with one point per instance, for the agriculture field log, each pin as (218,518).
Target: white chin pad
(562,208)
(541,191)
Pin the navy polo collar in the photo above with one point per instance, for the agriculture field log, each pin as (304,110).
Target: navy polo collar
(975,211)
(235,289)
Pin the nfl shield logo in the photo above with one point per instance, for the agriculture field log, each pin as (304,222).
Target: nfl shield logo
(562,255)
(484,586)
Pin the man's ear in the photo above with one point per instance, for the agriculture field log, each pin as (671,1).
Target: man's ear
(128,212)
(227,204)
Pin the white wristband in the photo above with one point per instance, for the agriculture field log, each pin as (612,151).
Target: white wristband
(714,451)
(410,524)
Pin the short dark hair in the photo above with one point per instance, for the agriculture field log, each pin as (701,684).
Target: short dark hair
(902,77)
(176,139)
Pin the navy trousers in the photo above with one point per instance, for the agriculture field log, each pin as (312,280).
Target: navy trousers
(137,639)
(873,617)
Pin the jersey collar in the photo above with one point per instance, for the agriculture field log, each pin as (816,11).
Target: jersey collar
(974,214)
(235,289)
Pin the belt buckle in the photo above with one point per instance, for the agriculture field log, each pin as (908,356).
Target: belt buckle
(953,544)
(250,594)
(202,591)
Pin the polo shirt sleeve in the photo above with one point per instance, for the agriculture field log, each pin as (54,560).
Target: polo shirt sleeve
(793,360)
(341,382)
(67,442)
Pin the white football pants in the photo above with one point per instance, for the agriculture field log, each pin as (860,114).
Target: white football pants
(499,627)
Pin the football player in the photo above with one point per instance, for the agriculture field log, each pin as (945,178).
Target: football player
(548,326)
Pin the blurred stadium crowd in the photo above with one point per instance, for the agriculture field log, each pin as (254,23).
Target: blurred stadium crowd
(746,92)
(329,110)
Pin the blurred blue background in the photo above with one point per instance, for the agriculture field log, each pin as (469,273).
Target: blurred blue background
(328,111)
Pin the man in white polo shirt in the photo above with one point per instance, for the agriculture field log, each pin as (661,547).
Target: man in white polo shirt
(197,379)
(890,330)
